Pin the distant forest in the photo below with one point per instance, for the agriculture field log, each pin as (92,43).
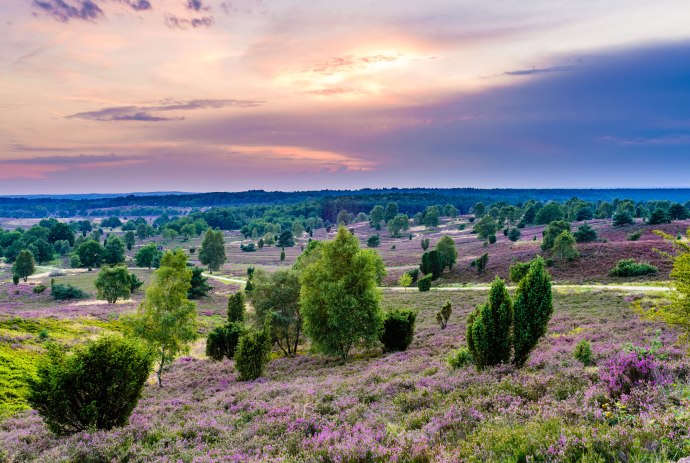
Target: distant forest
(325,203)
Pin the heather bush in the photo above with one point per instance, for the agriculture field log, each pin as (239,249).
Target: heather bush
(96,387)
(629,370)
(222,341)
(630,268)
(398,329)
(583,352)
(443,315)
(252,354)
(424,283)
(459,358)
(491,328)
(62,292)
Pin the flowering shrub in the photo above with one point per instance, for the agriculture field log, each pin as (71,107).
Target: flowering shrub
(627,371)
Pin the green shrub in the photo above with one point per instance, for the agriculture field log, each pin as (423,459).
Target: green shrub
(38,289)
(414,273)
(398,329)
(282,256)
(635,236)
(15,279)
(424,283)
(459,358)
(62,292)
(630,268)
(252,354)
(443,315)
(480,263)
(97,386)
(490,335)
(374,241)
(518,271)
(514,234)
(405,280)
(222,341)
(585,234)
(134,282)
(236,307)
(583,352)
(492,239)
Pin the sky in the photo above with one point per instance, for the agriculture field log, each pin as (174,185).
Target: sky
(230,95)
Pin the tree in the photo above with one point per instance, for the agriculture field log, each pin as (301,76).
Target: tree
(275,298)
(480,263)
(111,222)
(61,231)
(604,211)
(212,253)
(398,224)
(478,209)
(113,283)
(24,266)
(551,212)
(252,354)
(490,330)
(114,251)
(658,217)
(376,215)
(448,252)
(677,212)
(129,240)
(552,231)
(391,212)
(222,341)
(621,219)
(90,254)
(199,287)
(431,217)
(142,231)
(432,264)
(450,211)
(285,239)
(187,231)
(97,387)
(236,307)
(343,218)
(339,296)
(166,319)
(146,256)
(585,234)
(398,329)
(564,247)
(514,234)
(374,241)
(485,227)
(532,310)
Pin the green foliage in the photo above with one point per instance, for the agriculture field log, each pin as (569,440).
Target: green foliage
(398,224)
(443,315)
(518,271)
(114,251)
(491,328)
(252,354)
(431,217)
(551,212)
(236,307)
(583,352)
(564,247)
(96,387)
(659,216)
(532,310)
(635,235)
(485,227)
(199,287)
(425,243)
(212,253)
(134,282)
(15,279)
(90,254)
(585,234)
(459,358)
(405,280)
(390,212)
(282,256)
(514,234)
(223,340)
(374,241)
(424,283)
(480,263)
(552,231)
(620,219)
(339,296)
(146,256)
(492,239)
(630,268)
(448,252)
(75,261)
(376,215)
(343,218)
(39,289)
(285,239)
(113,283)
(130,240)
(398,329)
(166,319)
(62,292)
(432,264)
(276,300)
(25,265)
(249,247)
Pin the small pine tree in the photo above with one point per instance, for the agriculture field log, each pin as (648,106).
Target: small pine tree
(252,354)
(398,329)
(532,310)
(491,328)
(236,307)
(443,315)
(222,341)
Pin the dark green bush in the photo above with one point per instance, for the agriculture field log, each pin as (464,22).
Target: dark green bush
(62,292)
(489,340)
(630,268)
(398,329)
(414,273)
(252,354)
(585,234)
(443,315)
(38,289)
(134,282)
(97,386)
(492,239)
(15,279)
(424,283)
(518,271)
(222,341)
(635,236)
(583,352)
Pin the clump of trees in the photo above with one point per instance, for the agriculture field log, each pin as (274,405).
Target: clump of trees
(504,328)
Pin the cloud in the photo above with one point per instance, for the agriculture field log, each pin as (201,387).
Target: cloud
(147,113)
(138,5)
(534,71)
(80,160)
(349,63)
(196,5)
(65,10)
(175,22)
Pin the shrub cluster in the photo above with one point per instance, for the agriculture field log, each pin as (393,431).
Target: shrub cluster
(424,283)
(630,268)
(398,329)
(222,341)
(62,292)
